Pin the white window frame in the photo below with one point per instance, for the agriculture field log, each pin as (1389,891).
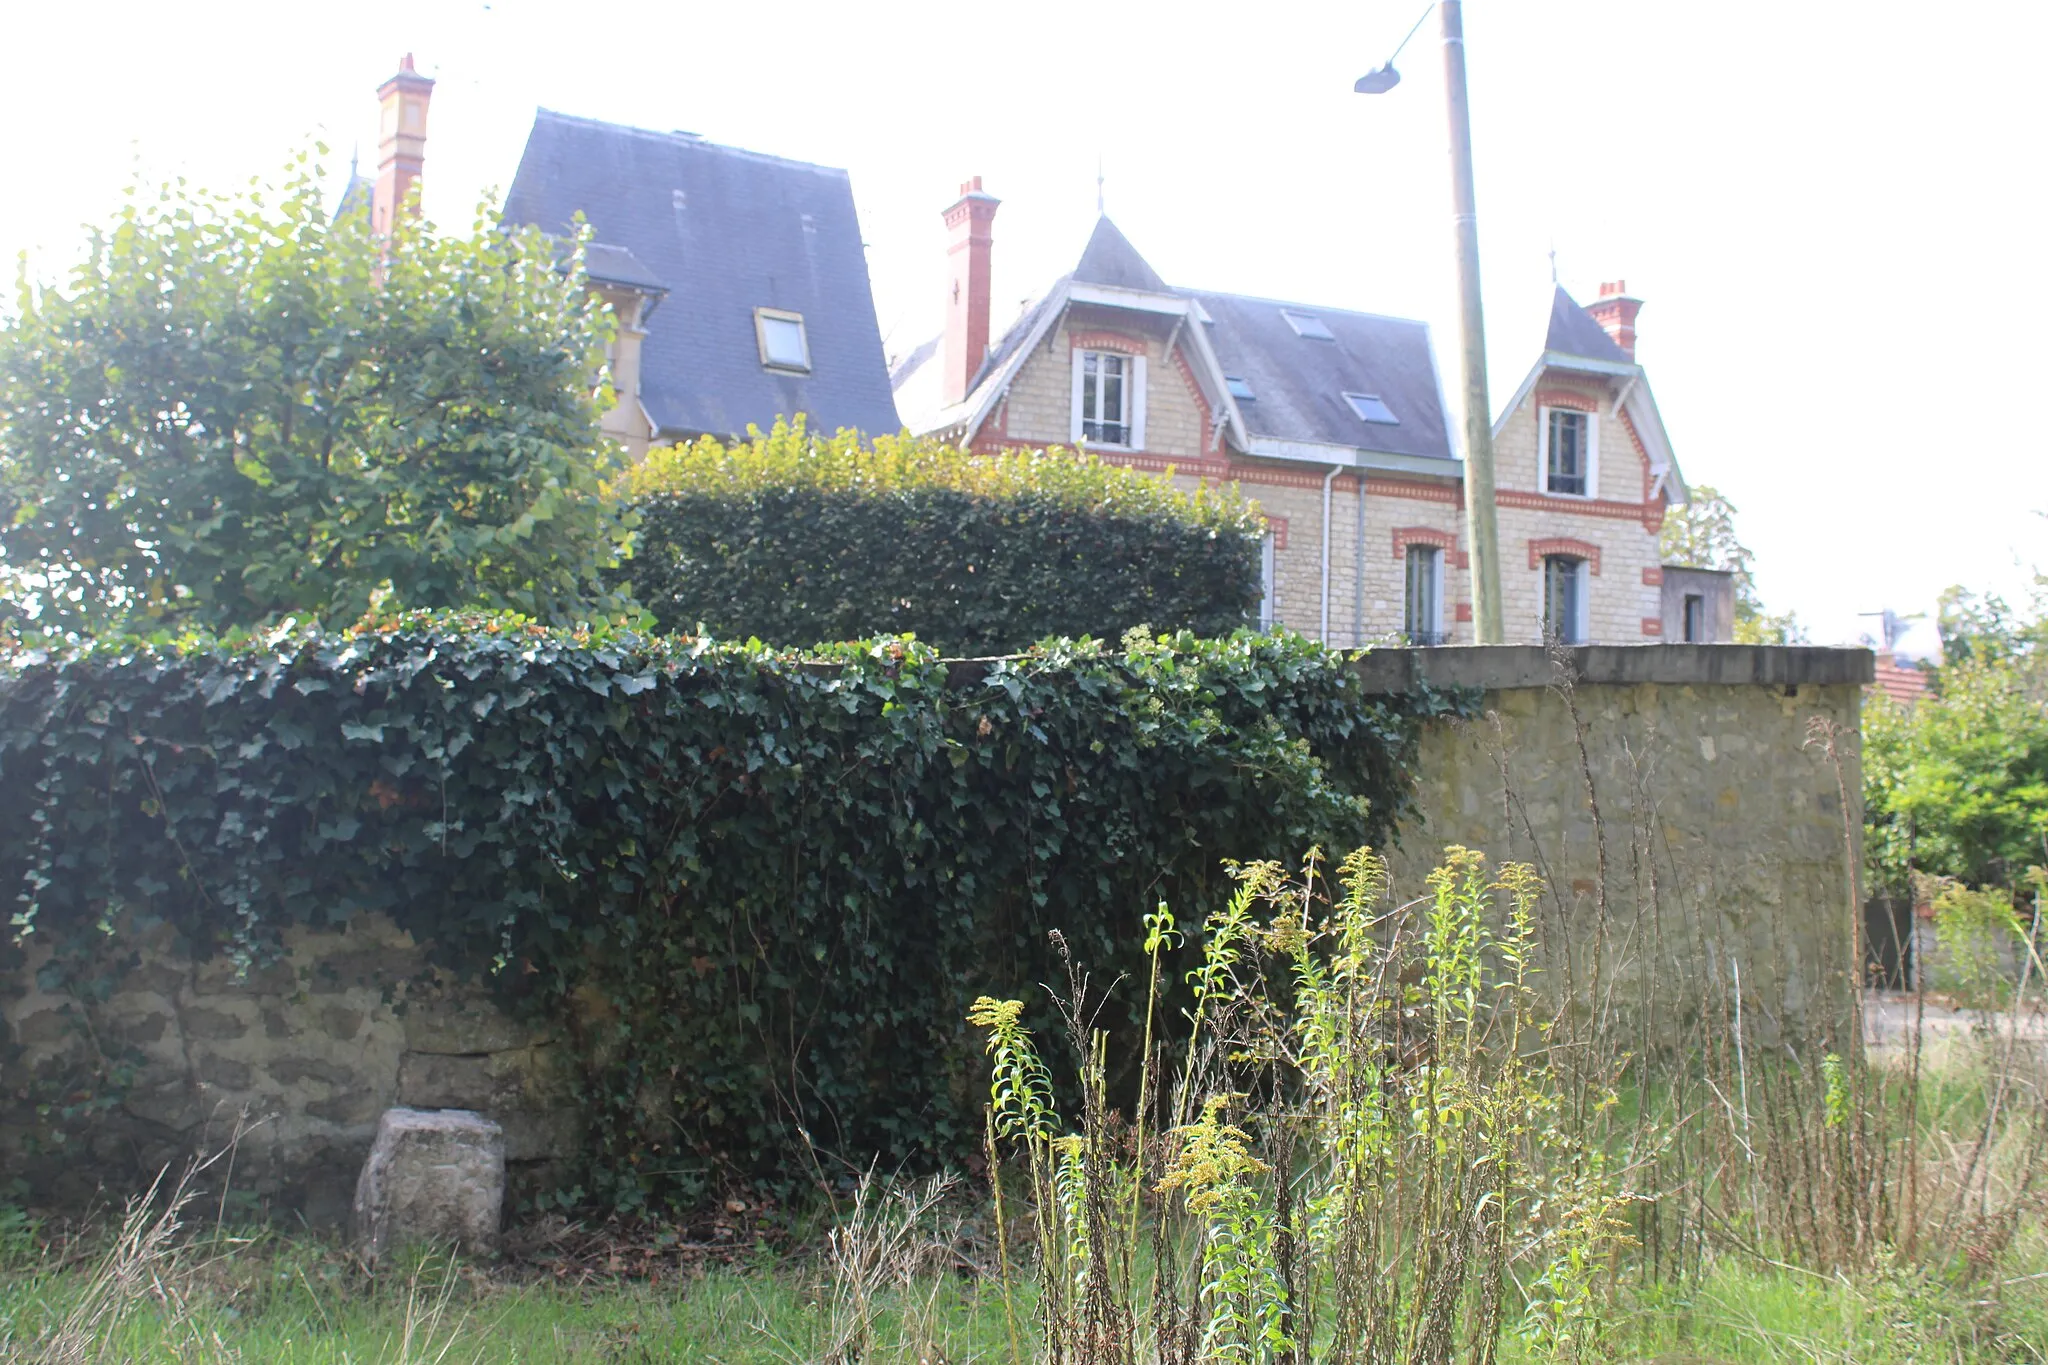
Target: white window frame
(763,316)
(1134,398)
(1435,627)
(1268,581)
(1592,453)
(1582,607)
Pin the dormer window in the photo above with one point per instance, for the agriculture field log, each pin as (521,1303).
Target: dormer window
(1307,325)
(1569,451)
(784,346)
(1240,389)
(1109,399)
(1370,408)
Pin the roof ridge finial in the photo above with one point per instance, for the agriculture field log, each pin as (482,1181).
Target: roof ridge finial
(1100,212)
(1553,261)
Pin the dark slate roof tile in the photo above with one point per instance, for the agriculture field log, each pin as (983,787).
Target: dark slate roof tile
(1298,384)
(1573,332)
(1110,259)
(726,231)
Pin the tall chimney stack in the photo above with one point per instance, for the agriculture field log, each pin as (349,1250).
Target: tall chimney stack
(401,142)
(967,295)
(1616,311)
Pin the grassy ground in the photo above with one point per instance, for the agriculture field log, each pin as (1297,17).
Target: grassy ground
(274,1298)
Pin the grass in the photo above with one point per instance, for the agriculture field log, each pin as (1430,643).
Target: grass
(295,1299)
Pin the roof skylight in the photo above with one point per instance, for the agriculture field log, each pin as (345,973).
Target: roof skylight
(1369,408)
(781,336)
(1307,325)
(1239,388)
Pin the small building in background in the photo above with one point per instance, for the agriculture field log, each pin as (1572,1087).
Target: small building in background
(1698,605)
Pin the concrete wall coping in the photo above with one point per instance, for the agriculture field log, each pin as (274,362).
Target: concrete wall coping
(1506,667)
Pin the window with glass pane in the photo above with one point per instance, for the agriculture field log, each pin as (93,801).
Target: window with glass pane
(1695,618)
(1564,599)
(1423,620)
(1567,467)
(783,344)
(1105,397)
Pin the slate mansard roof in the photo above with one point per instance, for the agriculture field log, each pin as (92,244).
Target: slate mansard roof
(723,232)
(1298,383)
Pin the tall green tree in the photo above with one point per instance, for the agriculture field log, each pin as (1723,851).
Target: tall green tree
(1957,783)
(238,409)
(1700,534)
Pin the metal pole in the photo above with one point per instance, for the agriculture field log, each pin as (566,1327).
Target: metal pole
(1479,514)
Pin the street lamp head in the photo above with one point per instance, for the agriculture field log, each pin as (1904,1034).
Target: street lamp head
(1378,81)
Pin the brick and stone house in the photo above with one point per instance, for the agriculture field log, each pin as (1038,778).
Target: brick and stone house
(739,280)
(1336,422)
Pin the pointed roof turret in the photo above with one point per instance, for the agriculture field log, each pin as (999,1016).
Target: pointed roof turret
(1573,332)
(1110,260)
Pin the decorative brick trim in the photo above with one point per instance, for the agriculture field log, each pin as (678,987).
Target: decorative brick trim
(1653,577)
(1210,432)
(1278,526)
(1652,626)
(1107,341)
(1564,545)
(1376,487)
(1575,399)
(1464,613)
(1404,536)
(1581,507)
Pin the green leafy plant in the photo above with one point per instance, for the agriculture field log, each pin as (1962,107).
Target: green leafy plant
(237,409)
(1360,1162)
(1956,784)
(795,537)
(1981,939)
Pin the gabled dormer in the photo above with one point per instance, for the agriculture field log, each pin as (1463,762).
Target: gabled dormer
(1583,427)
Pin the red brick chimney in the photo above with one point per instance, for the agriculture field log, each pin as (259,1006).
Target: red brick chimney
(401,141)
(967,293)
(1616,311)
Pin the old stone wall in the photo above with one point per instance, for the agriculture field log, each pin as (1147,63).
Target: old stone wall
(1722,848)
(311,1049)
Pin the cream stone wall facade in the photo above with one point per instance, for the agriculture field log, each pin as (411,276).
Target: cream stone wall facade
(1615,530)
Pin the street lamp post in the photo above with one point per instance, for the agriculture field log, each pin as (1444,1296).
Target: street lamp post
(1479,510)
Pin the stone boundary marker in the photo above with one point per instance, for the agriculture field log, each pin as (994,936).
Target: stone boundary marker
(434,1176)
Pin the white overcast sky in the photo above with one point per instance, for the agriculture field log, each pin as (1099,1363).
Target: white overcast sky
(1832,210)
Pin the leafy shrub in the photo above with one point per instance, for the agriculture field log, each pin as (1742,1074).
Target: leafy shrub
(779,871)
(794,538)
(237,408)
(1981,940)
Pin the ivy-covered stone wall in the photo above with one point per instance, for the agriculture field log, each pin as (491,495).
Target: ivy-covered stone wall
(739,898)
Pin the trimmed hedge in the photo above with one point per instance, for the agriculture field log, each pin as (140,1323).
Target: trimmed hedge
(793,539)
(789,873)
